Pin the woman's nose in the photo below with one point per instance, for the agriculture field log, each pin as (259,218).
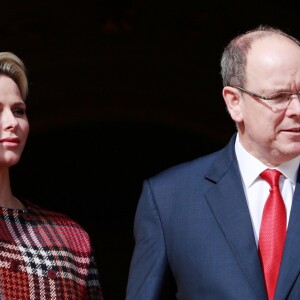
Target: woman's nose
(8,120)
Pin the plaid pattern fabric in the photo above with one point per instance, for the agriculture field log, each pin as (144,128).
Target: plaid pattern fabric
(45,255)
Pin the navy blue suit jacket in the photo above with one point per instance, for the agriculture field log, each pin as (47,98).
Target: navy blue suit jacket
(193,220)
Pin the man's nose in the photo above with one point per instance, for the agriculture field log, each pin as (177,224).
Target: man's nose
(295,96)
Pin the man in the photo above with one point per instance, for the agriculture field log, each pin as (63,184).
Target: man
(212,224)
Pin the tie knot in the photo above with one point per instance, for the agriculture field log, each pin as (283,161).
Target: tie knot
(271,176)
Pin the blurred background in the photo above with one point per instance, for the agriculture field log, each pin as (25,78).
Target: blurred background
(119,91)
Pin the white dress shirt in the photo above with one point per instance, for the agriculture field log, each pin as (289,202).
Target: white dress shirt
(257,190)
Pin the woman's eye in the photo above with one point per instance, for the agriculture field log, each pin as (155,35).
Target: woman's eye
(19,111)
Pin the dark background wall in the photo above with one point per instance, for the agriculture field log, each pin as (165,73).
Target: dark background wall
(120,90)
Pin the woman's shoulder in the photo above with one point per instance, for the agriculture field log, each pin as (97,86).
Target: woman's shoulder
(53,223)
(48,214)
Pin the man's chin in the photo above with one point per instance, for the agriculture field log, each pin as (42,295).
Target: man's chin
(291,151)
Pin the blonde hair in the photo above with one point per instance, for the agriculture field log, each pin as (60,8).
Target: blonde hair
(12,66)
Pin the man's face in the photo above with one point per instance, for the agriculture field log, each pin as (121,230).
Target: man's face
(273,65)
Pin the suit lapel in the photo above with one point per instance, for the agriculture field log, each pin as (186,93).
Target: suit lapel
(290,265)
(230,209)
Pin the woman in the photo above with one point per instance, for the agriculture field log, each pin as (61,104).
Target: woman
(43,255)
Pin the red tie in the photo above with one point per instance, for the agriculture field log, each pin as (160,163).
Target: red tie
(272,232)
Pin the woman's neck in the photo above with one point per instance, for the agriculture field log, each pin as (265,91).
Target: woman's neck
(7,199)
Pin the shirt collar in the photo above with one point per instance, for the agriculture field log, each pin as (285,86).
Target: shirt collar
(251,167)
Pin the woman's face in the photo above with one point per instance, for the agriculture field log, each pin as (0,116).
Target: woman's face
(14,126)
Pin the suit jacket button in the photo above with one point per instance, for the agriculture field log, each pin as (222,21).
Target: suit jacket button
(51,274)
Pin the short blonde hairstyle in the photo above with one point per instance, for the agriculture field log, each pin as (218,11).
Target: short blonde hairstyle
(13,67)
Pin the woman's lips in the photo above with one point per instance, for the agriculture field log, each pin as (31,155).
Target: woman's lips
(11,141)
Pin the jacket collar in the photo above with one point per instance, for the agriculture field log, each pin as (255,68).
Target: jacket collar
(227,202)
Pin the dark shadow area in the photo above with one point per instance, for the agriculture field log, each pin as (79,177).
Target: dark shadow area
(94,172)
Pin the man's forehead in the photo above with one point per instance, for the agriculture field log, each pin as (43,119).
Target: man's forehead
(272,42)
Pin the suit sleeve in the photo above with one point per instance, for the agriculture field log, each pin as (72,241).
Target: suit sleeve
(149,266)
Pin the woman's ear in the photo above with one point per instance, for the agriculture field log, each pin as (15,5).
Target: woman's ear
(233,100)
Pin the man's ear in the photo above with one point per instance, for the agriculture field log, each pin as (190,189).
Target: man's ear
(233,100)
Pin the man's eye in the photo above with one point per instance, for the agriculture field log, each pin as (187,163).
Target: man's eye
(280,97)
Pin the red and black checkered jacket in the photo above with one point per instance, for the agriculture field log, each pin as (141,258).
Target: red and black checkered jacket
(45,255)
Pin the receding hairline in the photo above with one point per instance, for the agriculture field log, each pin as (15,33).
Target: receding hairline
(260,34)
(235,55)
